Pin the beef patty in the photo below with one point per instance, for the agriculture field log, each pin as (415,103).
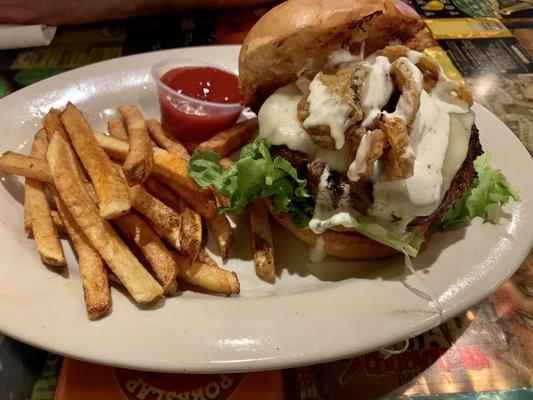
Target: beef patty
(361,197)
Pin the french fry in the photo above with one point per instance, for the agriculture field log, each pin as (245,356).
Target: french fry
(38,212)
(116,129)
(111,188)
(93,274)
(164,193)
(52,123)
(27,166)
(164,267)
(172,169)
(58,222)
(191,234)
(262,242)
(226,142)
(203,202)
(165,140)
(222,231)
(191,222)
(167,221)
(139,283)
(205,273)
(140,159)
(39,151)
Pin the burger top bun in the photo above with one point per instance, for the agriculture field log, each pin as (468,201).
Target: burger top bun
(299,35)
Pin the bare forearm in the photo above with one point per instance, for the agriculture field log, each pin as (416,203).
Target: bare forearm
(72,12)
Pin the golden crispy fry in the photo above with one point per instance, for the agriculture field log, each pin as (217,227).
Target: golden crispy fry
(140,159)
(58,222)
(165,140)
(191,234)
(404,76)
(39,151)
(116,129)
(202,201)
(35,168)
(166,221)
(262,242)
(93,274)
(39,214)
(172,169)
(104,239)
(367,147)
(222,231)
(164,193)
(399,160)
(205,273)
(52,123)
(191,222)
(226,142)
(111,188)
(164,267)
(27,166)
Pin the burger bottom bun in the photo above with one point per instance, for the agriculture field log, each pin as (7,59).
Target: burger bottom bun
(340,243)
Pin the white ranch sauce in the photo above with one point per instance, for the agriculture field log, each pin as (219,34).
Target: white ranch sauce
(421,194)
(279,125)
(377,89)
(358,166)
(326,108)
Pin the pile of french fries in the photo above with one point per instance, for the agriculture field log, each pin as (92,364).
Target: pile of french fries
(129,207)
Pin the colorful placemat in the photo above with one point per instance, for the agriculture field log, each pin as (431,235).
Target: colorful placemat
(484,353)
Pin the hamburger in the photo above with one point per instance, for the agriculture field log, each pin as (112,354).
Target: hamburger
(363,143)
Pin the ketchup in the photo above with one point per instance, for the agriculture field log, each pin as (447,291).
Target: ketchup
(219,104)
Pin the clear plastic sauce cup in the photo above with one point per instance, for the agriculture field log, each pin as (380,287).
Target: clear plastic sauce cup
(197,99)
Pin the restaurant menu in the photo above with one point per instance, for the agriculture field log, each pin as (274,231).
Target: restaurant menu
(484,353)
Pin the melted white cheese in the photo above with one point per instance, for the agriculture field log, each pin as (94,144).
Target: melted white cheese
(279,125)
(377,89)
(278,121)
(421,194)
(358,166)
(326,108)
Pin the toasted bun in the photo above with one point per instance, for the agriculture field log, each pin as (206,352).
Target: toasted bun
(300,34)
(343,243)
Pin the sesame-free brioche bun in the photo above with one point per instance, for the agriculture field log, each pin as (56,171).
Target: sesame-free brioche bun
(300,34)
(338,241)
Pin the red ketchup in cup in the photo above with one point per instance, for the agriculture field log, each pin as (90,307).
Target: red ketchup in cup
(197,100)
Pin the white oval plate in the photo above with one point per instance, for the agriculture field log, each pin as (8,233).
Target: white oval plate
(314,312)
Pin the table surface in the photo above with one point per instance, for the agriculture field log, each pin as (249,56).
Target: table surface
(486,351)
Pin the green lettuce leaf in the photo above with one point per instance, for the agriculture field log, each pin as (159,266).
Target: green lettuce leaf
(406,242)
(255,175)
(489,189)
